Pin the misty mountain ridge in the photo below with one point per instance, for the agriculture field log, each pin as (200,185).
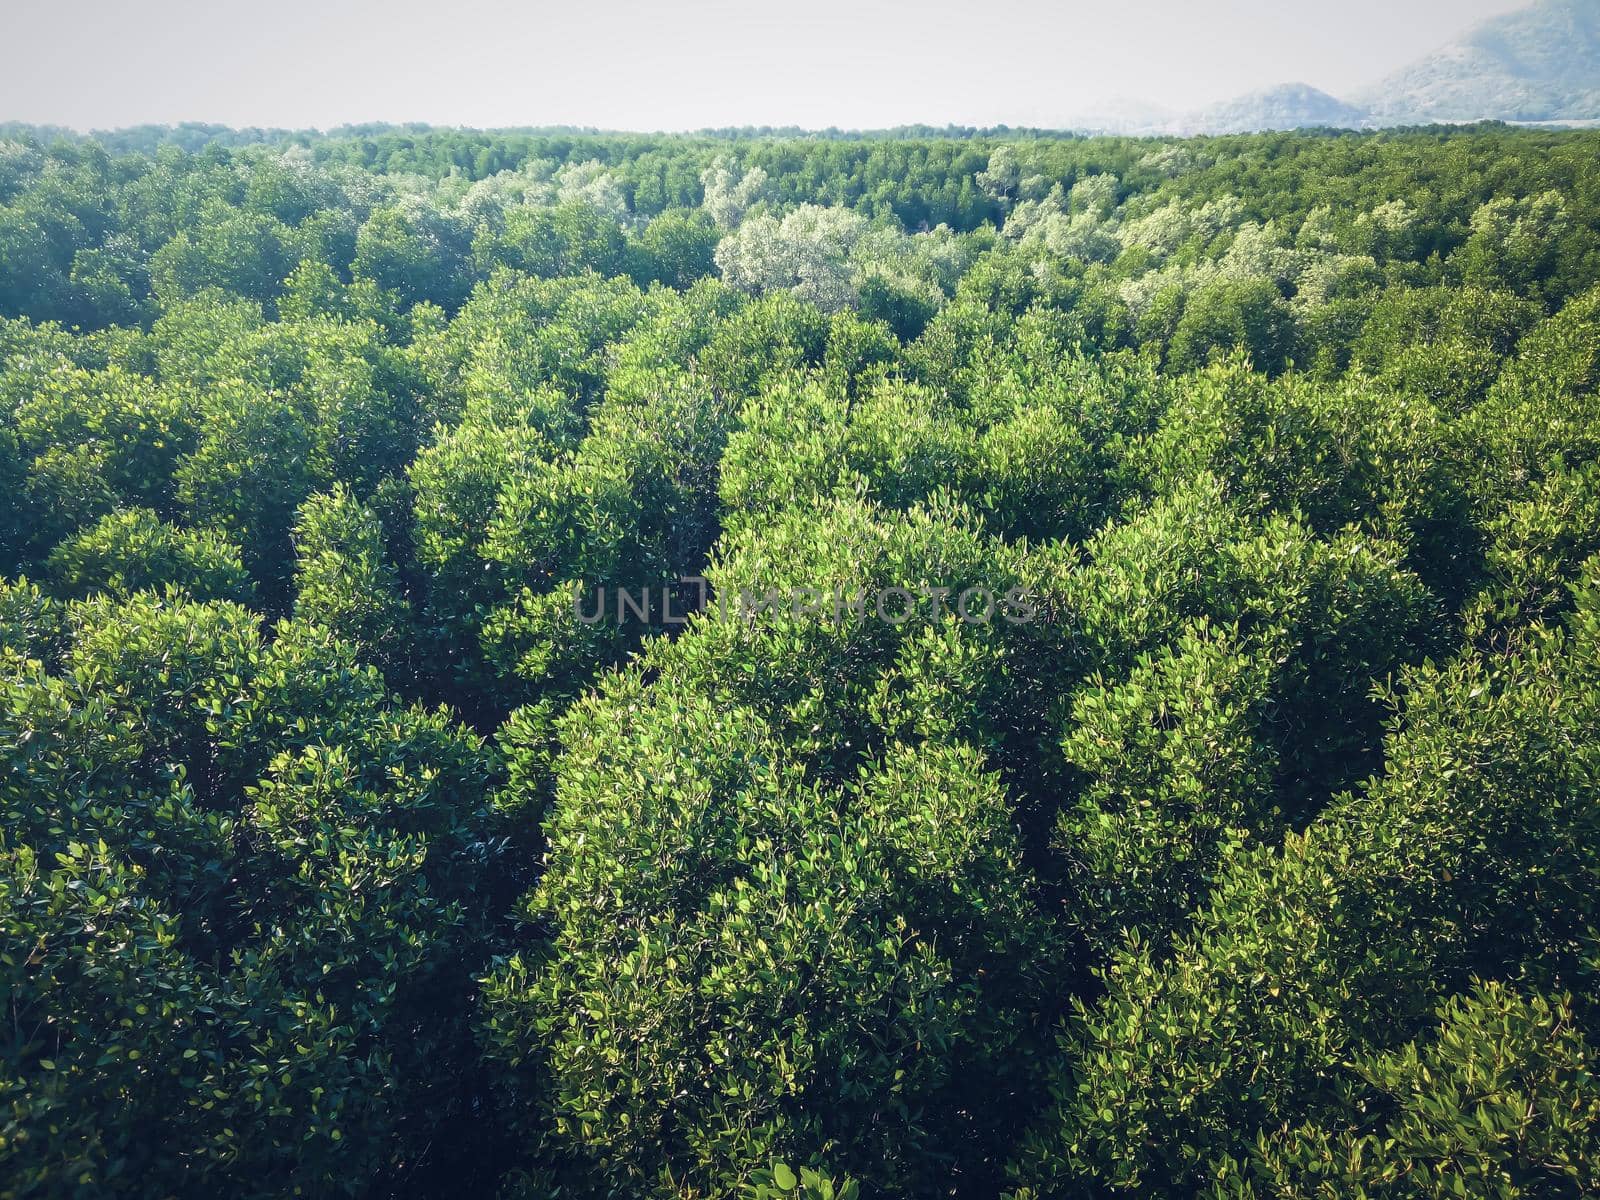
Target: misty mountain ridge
(1287,106)
(1539,64)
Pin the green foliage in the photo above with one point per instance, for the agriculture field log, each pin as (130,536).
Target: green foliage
(1470,855)
(1501,1101)
(782,1180)
(31,623)
(675,249)
(134,550)
(238,252)
(257,461)
(345,583)
(233,873)
(1140,737)
(737,972)
(571,239)
(1179,779)
(134,429)
(417,252)
(1443,343)
(1246,314)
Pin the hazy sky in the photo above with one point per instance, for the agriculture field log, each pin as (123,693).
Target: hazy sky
(676,64)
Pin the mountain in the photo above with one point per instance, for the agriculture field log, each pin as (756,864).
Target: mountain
(1122,115)
(1287,106)
(1538,64)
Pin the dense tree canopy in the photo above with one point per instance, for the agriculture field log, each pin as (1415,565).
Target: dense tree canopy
(953,664)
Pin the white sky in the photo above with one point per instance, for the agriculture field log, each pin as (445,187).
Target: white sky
(685,64)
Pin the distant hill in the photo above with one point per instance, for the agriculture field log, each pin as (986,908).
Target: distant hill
(1539,64)
(1123,115)
(1287,106)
